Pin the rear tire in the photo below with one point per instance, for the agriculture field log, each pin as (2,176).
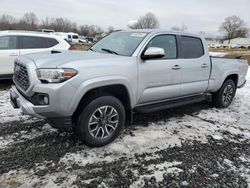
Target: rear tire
(224,96)
(101,121)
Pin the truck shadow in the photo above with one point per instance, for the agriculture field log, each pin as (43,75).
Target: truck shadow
(146,119)
(5,84)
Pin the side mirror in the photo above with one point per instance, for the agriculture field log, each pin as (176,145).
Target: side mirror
(153,52)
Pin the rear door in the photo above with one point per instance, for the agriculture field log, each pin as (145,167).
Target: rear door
(195,65)
(159,79)
(8,53)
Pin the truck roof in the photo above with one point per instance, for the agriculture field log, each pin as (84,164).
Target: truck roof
(155,31)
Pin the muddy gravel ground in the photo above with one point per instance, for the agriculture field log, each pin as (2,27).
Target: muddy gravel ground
(190,146)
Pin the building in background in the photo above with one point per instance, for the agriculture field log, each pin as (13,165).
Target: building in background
(237,43)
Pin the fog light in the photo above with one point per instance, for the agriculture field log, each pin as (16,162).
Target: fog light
(40,99)
(46,100)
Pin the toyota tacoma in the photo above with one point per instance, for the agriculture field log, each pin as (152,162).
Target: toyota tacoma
(95,92)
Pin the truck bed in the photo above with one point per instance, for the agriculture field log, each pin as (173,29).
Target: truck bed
(223,66)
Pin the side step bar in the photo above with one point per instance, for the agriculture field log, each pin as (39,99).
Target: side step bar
(170,104)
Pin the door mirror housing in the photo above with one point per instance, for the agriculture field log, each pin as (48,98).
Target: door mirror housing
(152,53)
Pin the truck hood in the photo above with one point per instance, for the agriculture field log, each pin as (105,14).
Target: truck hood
(58,59)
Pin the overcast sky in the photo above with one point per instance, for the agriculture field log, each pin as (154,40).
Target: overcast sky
(197,15)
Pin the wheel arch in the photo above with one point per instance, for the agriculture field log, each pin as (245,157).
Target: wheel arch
(117,90)
(234,77)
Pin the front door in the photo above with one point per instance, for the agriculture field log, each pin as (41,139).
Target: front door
(159,79)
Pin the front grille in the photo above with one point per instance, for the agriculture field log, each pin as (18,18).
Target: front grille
(20,76)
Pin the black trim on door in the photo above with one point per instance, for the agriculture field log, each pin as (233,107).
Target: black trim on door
(170,104)
(181,46)
(177,46)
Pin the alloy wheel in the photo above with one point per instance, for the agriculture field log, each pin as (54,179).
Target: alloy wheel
(103,122)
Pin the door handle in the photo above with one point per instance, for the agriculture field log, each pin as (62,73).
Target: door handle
(176,67)
(13,54)
(204,65)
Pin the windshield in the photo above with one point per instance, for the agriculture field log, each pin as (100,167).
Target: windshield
(119,43)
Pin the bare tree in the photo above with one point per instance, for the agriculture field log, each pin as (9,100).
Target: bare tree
(7,22)
(46,24)
(110,29)
(29,21)
(181,29)
(84,30)
(175,28)
(149,21)
(59,24)
(203,33)
(87,30)
(233,27)
(97,30)
(90,30)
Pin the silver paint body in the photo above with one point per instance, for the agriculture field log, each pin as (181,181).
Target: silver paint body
(147,81)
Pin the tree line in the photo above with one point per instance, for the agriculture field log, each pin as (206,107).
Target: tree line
(30,22)
(231,27)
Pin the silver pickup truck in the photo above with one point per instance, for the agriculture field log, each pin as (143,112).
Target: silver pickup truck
(96,92)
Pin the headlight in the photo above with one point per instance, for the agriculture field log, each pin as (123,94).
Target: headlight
(55,75)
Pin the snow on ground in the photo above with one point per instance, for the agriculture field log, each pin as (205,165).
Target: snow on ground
(192,146)
(217,54)
(7,113)
(24,135)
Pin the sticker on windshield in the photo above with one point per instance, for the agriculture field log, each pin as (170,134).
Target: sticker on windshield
(138,35)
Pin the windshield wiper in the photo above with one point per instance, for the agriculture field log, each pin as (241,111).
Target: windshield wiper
(91,49)
(109,51)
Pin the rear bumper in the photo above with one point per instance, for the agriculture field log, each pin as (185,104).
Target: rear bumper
(242,85)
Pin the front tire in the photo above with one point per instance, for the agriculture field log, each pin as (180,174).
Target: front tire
(224,97)
(101,121)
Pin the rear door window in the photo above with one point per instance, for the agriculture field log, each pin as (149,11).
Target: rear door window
(191,47)
(28,42)
(51,42)
(8,42)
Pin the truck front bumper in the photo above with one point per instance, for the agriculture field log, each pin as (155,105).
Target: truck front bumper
(19,101)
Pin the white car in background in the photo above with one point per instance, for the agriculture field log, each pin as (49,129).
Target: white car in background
(82,40)
(16,43)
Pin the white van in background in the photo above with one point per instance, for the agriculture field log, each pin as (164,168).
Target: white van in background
(16,43)
(71,37)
